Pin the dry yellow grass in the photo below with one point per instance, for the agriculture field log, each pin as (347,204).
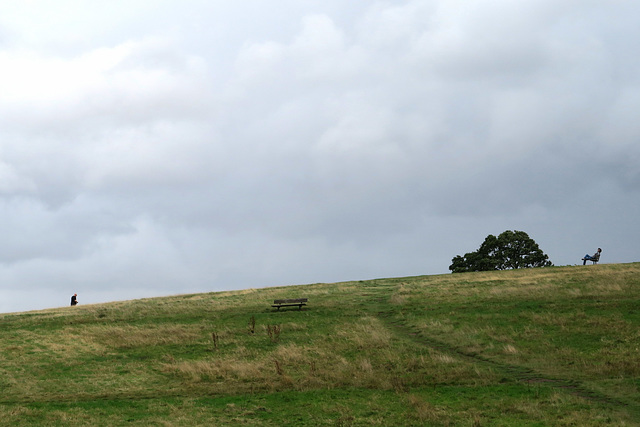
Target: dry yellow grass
(366,333)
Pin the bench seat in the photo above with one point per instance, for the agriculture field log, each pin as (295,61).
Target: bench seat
(292,302)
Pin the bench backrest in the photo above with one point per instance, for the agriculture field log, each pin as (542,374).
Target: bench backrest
(290,301)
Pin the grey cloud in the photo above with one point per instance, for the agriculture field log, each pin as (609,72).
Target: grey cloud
(199,148)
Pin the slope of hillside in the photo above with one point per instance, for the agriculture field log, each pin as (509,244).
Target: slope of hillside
(552,346)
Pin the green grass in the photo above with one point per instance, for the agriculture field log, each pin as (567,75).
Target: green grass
(535,347)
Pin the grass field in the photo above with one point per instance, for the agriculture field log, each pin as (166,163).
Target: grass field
(557,346)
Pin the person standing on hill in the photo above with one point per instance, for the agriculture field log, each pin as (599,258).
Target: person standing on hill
(74,300)
(595,257)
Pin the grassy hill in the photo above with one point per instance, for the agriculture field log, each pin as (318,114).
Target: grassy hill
(552,346)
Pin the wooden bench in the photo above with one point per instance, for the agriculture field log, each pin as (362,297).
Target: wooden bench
(289,303)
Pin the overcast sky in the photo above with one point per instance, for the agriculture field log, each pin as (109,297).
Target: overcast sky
(152,148)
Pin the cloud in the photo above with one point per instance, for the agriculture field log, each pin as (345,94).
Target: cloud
(150,148)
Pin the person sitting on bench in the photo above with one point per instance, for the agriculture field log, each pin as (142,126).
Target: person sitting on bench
(593,258)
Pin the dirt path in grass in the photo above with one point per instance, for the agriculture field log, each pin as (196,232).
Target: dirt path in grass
(518,373)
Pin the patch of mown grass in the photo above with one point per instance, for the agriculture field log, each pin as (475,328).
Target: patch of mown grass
(502,405)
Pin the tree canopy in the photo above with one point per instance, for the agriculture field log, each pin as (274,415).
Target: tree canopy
(510,250)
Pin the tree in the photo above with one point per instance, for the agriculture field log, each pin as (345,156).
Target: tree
(510,250)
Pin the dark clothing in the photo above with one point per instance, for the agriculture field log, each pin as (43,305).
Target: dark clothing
(595,257)
(74,300)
